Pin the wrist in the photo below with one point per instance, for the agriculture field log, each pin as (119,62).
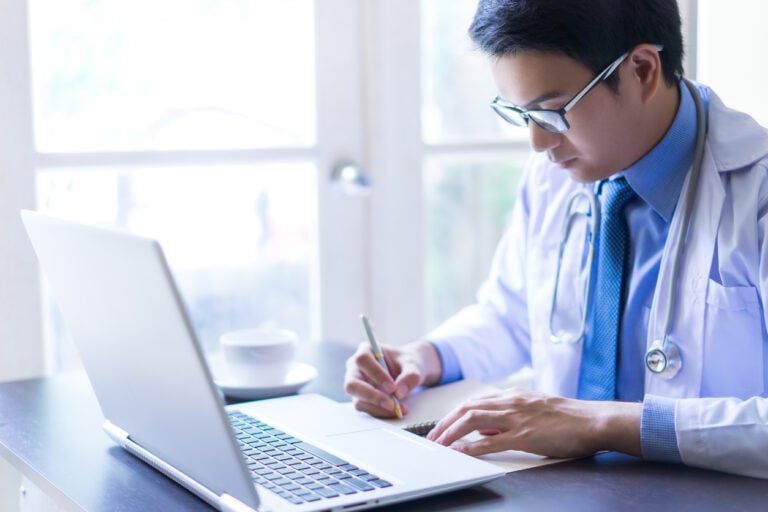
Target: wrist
(618,427)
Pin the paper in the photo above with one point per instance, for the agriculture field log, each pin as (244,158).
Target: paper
(434,403)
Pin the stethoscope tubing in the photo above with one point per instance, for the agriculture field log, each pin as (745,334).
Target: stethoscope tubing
(662,351)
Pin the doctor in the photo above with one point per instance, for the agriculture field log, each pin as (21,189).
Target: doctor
(598,85)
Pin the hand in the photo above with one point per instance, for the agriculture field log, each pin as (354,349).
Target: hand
(537,423)
(371,387)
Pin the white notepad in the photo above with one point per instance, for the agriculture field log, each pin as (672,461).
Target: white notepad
(433,403)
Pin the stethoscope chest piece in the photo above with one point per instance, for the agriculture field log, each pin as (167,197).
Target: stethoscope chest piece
(663,359)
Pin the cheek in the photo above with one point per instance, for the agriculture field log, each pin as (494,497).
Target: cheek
(603,143)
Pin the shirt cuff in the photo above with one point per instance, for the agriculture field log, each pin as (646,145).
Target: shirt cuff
(450,363)
(658,439)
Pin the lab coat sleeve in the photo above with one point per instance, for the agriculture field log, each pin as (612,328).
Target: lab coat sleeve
(726,434)
(491,338)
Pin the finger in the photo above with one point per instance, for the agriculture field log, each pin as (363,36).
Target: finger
(406,382)
(474,419)
(365,363)
(363,391)
(384,410)
(446,422)
(491,403)
(482,446)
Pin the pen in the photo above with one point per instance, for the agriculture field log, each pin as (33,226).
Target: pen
(376,348)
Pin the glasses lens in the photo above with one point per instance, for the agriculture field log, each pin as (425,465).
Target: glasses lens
(510,115)
(548,120)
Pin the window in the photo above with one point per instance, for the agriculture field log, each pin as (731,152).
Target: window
(730,45)
(472,164)
(164,110)
(196,122)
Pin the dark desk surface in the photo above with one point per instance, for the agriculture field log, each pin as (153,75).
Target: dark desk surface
(50,429)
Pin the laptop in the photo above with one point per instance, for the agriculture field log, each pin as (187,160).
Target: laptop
(303,452)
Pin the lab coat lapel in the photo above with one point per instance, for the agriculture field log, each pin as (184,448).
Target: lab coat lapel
(556,365)
(687,329)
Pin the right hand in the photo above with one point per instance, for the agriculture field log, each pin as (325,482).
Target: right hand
(371,387)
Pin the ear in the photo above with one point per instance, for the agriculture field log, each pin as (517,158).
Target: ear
(646,71)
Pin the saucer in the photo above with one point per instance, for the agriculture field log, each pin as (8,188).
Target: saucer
(299,376)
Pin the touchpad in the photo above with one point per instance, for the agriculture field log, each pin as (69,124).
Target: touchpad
(389,449)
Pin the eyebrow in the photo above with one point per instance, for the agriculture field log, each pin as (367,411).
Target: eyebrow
(544,97)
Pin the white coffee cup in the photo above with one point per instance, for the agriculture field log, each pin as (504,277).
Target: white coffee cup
(258,357)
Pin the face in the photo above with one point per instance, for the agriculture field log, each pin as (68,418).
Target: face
(599,142)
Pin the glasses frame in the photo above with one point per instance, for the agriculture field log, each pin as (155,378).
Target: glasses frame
(553,120)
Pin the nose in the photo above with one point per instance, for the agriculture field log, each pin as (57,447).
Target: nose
(541,139)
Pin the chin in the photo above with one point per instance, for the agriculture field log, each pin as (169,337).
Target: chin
(585,174)
(581,176)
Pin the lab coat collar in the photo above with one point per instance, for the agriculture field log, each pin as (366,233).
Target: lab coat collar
(739,130)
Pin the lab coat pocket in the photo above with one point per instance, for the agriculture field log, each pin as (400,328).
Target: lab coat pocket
(733,342)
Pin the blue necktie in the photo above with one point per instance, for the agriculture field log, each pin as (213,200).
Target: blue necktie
(597,380)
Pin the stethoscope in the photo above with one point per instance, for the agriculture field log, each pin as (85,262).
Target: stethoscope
(663,355)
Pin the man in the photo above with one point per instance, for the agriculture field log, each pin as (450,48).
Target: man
(598,85)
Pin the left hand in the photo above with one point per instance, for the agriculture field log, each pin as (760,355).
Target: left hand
(519,419)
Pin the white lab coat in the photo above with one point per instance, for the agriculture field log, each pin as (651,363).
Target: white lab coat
(722,295)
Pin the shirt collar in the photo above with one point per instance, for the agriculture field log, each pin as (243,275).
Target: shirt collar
(658,177)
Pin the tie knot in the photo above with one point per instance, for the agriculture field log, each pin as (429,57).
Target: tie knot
(615,193)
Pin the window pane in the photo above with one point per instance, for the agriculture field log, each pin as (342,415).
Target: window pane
(731,43)
(456,79)
(239,239)
(172,74)
(468,202)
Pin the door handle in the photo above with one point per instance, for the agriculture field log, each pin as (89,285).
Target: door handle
(351,179)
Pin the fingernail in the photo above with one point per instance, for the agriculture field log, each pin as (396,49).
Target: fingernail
(401,391)
(386,404)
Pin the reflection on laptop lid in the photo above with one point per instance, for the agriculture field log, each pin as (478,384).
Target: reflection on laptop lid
(305,452)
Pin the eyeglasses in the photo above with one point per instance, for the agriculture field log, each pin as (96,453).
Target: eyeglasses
(552,120)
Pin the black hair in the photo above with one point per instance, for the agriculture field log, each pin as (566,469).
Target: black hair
(592,32)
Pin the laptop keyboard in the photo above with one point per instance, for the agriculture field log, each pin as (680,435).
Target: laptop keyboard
(294,470)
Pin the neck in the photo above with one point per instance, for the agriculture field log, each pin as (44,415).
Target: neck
(658,117)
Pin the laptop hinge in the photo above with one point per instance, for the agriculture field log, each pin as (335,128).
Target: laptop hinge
(231,504)
(117,434)
(224,502)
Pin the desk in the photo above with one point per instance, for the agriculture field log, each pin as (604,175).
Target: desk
(50,430)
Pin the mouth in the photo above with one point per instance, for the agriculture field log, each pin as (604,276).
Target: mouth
(564,163)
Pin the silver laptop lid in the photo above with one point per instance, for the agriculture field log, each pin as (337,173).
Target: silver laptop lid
(124,312)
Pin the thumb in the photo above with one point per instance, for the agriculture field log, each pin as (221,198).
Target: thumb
(408,379)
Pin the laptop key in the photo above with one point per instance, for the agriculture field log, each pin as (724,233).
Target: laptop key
(325,492)
(295,470)
(311,497)
(343,489)
(358,484)
(314,450)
